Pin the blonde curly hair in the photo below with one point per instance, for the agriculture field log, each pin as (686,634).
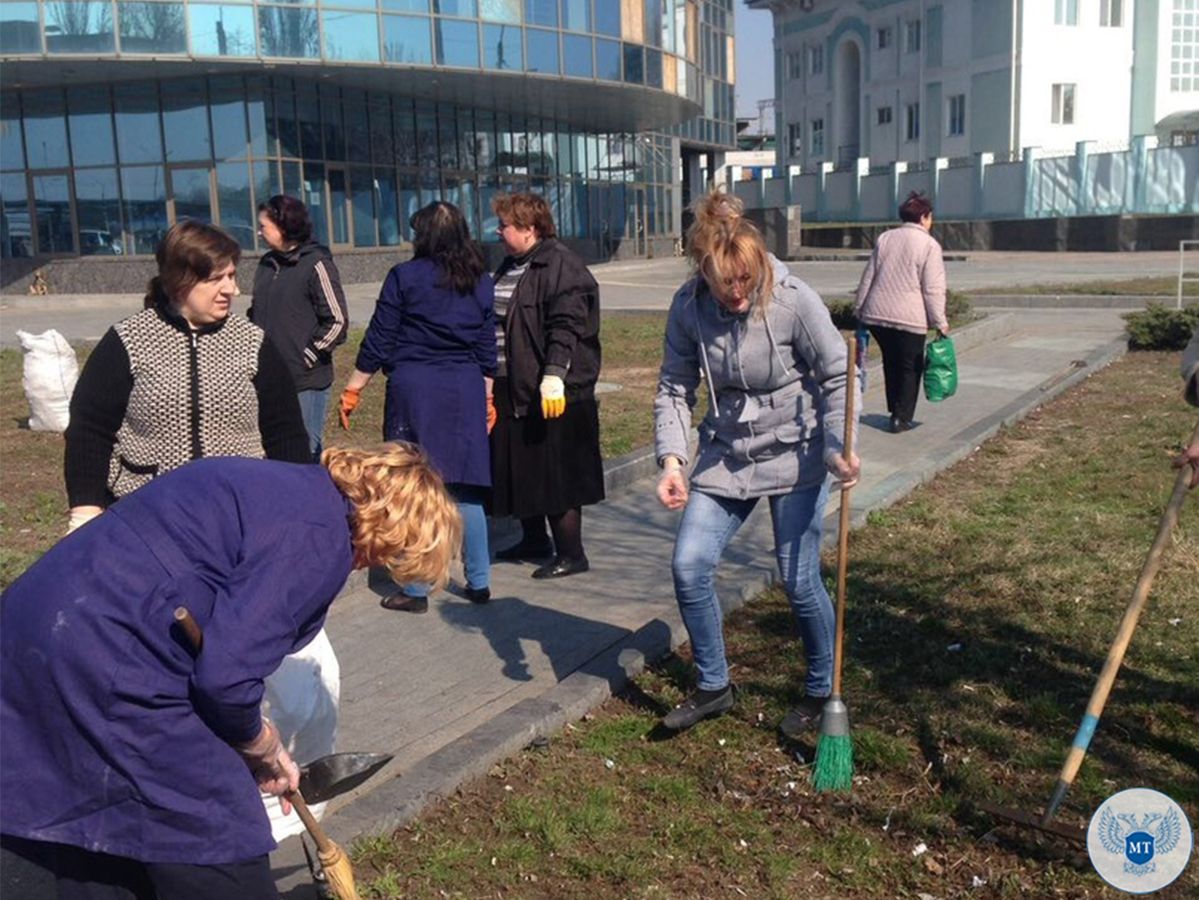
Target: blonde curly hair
(721,242)
(404,519)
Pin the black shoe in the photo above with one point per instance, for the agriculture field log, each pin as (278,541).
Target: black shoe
(560,567)
(803,719)
(404,603)
(699,706)
(477,595)
(898,425)
(525,551)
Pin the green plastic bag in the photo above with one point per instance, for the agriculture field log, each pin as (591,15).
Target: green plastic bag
(940,370)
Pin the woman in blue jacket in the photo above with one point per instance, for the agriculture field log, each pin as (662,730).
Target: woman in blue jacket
(433,335)
(125,759)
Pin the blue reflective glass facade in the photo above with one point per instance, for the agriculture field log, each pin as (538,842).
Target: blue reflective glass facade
(104,160)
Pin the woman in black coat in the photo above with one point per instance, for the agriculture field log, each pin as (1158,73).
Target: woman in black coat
(545,454)
(299,303)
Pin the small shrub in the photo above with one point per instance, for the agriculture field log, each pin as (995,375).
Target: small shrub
(842,313)
(1159,328)
(957,308)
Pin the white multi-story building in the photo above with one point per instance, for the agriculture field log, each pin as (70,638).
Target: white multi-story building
(910,80)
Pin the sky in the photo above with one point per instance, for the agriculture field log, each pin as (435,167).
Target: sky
(755,62)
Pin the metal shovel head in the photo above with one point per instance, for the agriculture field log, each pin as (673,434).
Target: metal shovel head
(335,774)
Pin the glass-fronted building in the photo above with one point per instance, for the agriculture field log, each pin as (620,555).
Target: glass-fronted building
(119,118)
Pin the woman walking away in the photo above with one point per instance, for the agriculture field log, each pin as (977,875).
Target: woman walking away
(546,460)
(131,765)
(902,295)
(299,303)
(762,343)
(433,334)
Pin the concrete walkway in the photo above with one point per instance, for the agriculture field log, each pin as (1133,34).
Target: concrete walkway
(452,691)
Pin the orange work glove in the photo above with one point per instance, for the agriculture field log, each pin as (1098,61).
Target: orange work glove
(349,402)
(492,415)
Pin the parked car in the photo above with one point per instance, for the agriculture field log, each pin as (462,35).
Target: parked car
(96,242)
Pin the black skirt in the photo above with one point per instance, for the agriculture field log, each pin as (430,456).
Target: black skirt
(544,467)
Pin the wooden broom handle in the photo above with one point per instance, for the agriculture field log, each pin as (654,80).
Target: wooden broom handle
(843,521)
(195,637)
(1128,624)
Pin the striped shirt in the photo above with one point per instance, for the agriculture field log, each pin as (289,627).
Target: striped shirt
(505,286)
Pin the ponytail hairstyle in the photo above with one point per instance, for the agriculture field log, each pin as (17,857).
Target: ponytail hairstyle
(188,254)
(441,234)
(404,518)
(290,216)
(720,243)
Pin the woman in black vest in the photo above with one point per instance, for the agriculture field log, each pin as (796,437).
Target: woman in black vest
(182,379)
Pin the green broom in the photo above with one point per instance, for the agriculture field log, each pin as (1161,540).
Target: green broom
(833,770)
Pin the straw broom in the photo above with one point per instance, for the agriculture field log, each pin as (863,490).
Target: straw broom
(339,875)
(833,770)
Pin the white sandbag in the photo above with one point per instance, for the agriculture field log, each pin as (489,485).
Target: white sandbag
(301,699)
(51,371)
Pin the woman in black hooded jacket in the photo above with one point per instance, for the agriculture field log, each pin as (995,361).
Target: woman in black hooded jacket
(299,303)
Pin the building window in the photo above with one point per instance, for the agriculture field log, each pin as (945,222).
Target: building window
(884,115)
(957,114)
(1063,104)
(1111,13)
(913,122)
(816,139)
(795,65)
(815,59)
(884,38)
(1184,52)
(1065,12)
(913,37)
(794,139)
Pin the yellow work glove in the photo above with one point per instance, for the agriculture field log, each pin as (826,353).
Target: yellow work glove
(553,396)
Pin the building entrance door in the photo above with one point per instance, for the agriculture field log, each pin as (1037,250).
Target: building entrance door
(635,228)
(189,194)
(339,207)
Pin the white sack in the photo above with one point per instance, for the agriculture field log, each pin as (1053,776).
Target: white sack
(301,699)
(50,374)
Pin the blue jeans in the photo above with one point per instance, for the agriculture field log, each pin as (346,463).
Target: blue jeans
(708,524)
(476,555)
(312,409)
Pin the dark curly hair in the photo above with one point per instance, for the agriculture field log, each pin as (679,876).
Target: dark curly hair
(915,208)
(290,216)
(441,234)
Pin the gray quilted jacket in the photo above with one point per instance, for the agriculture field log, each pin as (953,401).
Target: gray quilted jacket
(776,388)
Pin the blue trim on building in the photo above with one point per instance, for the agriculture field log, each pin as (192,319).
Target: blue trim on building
(862,30)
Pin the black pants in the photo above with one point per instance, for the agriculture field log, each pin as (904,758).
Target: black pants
(903,369)
(35,870)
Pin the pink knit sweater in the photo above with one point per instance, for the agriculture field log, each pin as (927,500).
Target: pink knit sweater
(903,286)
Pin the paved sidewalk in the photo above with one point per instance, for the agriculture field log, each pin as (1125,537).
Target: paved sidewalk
(454,690)
(648,284)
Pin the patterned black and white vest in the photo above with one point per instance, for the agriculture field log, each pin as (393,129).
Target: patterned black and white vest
(193,395)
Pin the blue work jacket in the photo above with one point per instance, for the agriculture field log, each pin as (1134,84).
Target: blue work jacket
(435,346)
(114,737)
